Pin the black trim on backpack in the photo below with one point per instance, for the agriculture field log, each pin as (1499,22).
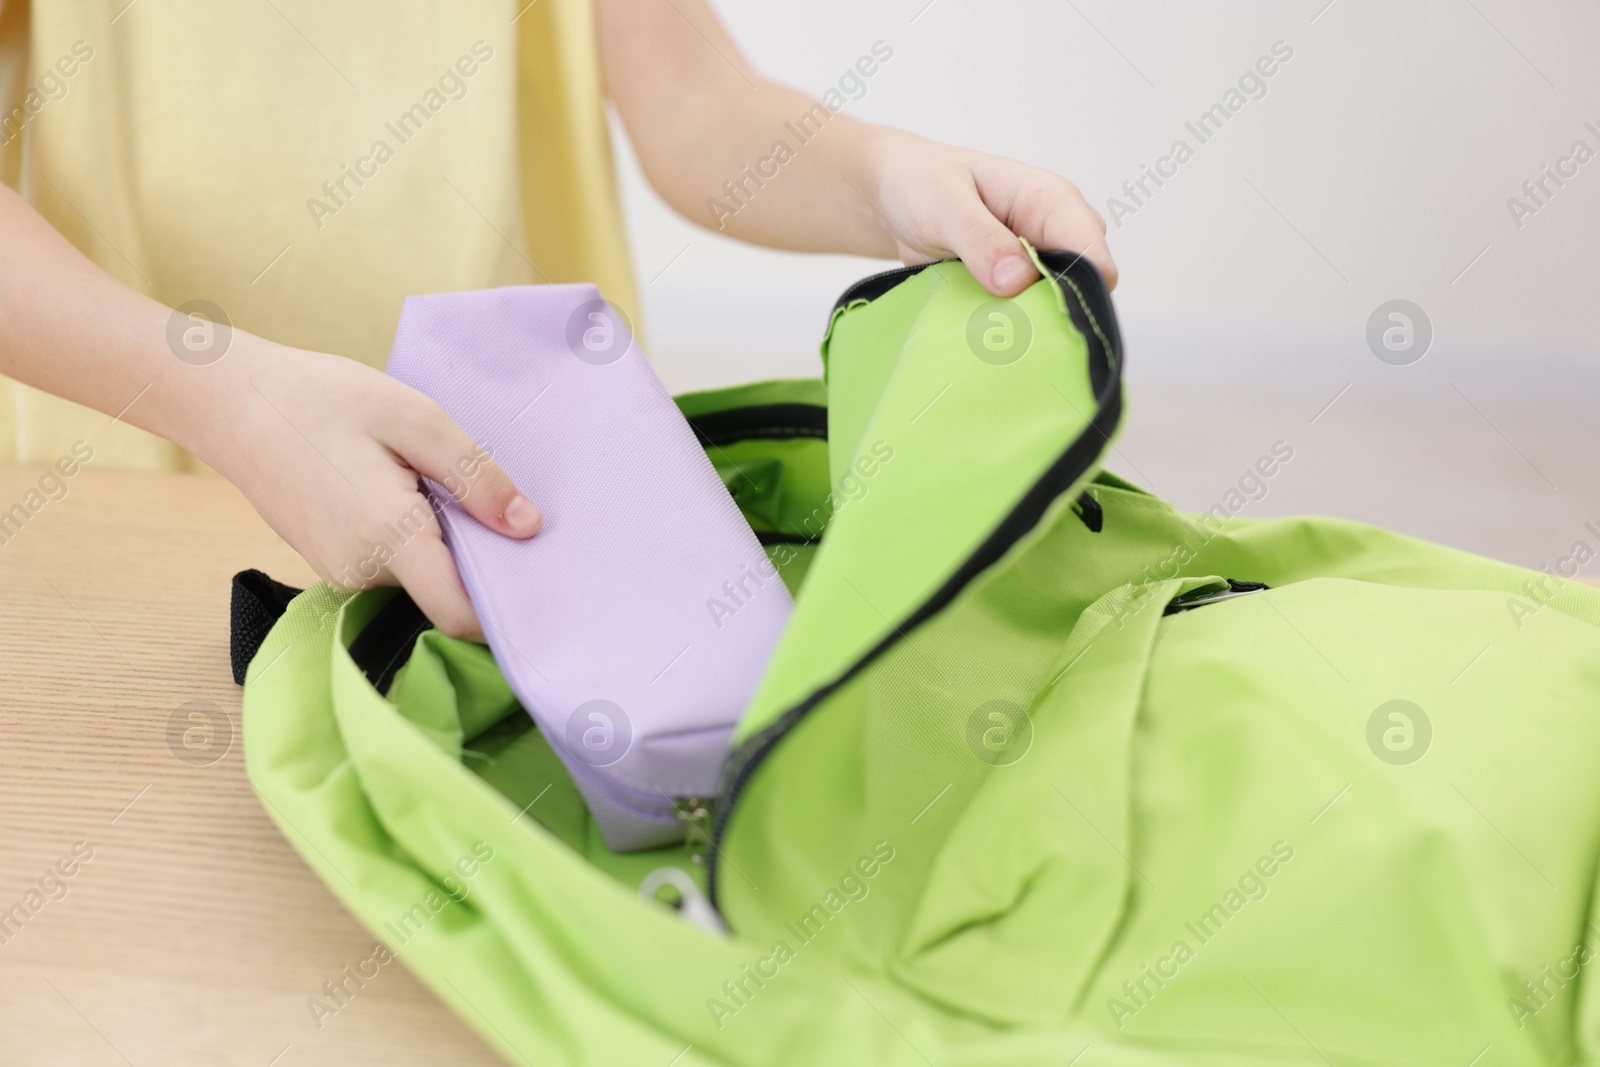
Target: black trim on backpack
(384,644)
(380,649)
(1211,594)
(1089,510)
(875,285)
(769,421)
(1089,306)
(256,604)
(777,537)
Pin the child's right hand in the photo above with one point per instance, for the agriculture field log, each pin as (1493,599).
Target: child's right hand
(329,451)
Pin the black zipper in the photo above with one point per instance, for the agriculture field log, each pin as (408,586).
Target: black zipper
(1089,307)
(764,421)
(875,285)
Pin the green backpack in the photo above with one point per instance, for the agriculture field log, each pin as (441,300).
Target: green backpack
(1041,772)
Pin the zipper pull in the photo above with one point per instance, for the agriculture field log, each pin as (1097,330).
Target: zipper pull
(696,816)
(692,904)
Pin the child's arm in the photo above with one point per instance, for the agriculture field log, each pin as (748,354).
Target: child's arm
(699,117)
(327,449)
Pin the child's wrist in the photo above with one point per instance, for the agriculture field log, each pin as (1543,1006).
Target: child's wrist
(211,410)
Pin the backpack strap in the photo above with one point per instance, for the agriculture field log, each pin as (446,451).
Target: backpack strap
(380,649)
(257,603)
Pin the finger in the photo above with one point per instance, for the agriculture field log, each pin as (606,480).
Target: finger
(1074,226)
(985,244)
(427,572)
(1050,212)
(433,445)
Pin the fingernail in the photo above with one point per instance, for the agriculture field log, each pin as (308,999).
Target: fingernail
(1012,272)
(521,516)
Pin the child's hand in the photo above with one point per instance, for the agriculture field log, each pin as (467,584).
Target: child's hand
(703,125)
(940,201)
(328,450)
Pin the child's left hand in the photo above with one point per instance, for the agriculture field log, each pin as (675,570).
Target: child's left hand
(725,147)
(938,201)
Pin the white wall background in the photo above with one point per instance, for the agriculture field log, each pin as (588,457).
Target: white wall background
(1377,166)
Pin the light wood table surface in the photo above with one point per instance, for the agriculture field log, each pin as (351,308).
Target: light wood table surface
(195,935)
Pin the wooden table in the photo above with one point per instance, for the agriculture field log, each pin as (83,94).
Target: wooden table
(195,935)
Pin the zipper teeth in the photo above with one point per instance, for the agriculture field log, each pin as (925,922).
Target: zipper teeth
(763,743)
(849,295)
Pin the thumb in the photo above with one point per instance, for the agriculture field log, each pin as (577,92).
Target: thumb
(989,249)
(435,447)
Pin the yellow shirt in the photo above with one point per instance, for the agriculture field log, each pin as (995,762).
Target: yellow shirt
(304,166)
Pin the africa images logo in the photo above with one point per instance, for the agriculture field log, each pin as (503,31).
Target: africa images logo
(452,85)
(1251,85)
(851,887)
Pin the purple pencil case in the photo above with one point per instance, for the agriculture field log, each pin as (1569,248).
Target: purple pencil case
(602,622)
